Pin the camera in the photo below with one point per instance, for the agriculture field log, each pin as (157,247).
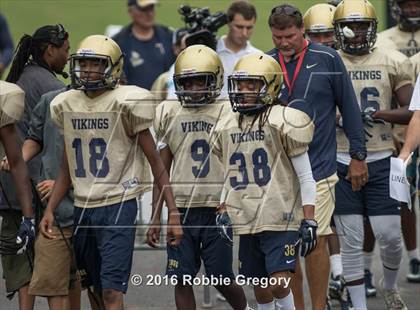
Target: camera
(202,25)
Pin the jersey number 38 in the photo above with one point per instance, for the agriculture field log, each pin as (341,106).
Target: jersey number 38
(260,170)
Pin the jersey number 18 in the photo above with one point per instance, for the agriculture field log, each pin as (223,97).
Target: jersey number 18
(97,152)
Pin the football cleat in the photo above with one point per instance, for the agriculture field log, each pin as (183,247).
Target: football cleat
(345,300)
(370,290)
(414,273)
(328,305)
(339,292)
(335,287)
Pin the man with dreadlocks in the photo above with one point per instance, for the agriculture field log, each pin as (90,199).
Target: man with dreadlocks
(37,60)
(268,179)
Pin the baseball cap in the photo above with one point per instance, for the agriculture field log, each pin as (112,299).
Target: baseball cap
(141,3)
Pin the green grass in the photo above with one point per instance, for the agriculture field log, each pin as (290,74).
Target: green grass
(85,17)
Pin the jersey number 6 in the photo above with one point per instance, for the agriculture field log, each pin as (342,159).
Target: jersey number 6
(366,96)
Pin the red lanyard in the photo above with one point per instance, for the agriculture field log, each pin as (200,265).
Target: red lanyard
(298,67)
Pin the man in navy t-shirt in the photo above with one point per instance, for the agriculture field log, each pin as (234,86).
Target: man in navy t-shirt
(6,45)
(147,47)
(316,82)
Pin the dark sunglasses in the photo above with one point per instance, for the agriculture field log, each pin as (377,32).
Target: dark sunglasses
(60,36)
(285,10)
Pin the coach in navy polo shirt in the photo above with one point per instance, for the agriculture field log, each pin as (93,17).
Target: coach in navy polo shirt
(316,82)
(147,47)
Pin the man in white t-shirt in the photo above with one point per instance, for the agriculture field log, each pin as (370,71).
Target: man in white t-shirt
(412,137)
(231,47)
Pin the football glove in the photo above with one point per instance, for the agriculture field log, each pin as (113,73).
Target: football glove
(224,224)
(368,135)
(26,235)
(367,117)
(307,234)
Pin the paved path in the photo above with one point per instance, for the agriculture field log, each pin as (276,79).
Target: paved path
(161,297)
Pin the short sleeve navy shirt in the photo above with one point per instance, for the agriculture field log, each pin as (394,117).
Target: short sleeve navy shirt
(144,61)
(6,43)
(321,86)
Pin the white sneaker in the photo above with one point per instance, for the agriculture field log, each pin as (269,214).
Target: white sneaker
(393,299)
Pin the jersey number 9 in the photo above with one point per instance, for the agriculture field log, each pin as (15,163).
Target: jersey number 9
(200,150)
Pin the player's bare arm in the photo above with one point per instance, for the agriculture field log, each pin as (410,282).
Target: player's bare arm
(146,142)
(308,212)
(30,148)
(18,168)
(401,115)
(62,184)
(154,231)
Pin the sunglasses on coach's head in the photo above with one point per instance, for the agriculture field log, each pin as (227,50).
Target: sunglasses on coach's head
(60,36)
(61,32)
(285,9)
